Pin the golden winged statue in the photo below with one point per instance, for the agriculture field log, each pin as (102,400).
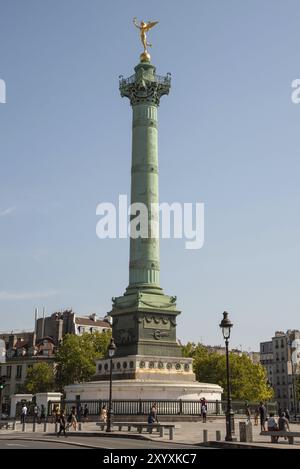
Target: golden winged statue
(144,28)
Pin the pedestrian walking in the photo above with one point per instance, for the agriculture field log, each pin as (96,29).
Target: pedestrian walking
(78,412)
(85,412)
(248,412)
(43,413)
(36,413)
(62,423)
(57,414)
(204,412)
(256,415)
(263,416)
(74,418)
(103,414)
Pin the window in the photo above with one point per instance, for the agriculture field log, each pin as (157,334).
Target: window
(19,372)
(19,388)
(8,371)
(282,357)
(46,353)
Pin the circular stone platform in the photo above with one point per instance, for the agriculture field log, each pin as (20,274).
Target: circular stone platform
(144,389)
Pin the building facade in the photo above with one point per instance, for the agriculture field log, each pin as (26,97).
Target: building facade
(280,356)
(68,322)
(27,348)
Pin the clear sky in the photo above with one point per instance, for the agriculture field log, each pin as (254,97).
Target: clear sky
(229,137)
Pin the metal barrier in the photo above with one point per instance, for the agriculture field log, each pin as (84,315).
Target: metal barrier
(164,407)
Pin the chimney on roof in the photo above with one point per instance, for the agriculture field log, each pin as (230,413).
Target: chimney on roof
(11,341)
(93,316)
(43,323)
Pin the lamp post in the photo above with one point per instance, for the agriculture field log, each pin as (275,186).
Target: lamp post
(111,353)
(226,326)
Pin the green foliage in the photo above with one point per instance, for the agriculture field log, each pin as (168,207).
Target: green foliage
(76,356)
(40,378)
(248,380)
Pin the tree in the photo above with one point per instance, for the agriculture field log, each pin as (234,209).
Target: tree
(248,380)
(40,378)
(76,356)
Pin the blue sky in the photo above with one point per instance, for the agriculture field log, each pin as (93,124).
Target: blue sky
(229,137)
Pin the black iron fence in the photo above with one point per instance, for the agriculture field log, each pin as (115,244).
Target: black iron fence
(164,407)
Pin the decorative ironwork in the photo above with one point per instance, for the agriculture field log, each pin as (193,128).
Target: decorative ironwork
(143,87)
(165,407)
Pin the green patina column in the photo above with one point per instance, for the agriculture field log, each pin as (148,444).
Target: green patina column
(144,89)
(144,318)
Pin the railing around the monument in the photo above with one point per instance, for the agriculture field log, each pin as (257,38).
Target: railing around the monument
(164,407)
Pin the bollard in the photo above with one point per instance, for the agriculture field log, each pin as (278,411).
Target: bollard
(79,426)
(45,426)
(218,435)
(33,426)
(204,436)
(56,427)
(23,427)
(14,425)
(246,434)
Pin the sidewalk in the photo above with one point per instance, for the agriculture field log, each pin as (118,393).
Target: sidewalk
(187,433)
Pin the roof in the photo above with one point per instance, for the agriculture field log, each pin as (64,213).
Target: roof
(82,321)
(47,337)
(21,344)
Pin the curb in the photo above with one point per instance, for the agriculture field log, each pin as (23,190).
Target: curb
(92,434)
(48,440)
(240,445)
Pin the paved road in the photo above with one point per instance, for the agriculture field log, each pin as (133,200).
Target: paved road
(22,444)
(16,442)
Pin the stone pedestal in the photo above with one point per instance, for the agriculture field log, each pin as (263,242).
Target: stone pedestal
(142,389)
(147,367)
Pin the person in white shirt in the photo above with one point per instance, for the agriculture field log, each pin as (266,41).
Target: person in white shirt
(272,424)
(23,413)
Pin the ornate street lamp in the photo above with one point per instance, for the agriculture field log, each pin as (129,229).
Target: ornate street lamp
(111,353)
(226,326)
